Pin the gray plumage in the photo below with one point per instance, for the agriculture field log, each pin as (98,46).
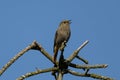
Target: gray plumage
(62,34)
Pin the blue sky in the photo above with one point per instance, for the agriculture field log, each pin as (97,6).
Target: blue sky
(23,21)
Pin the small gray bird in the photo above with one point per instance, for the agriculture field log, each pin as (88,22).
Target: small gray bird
(62,35)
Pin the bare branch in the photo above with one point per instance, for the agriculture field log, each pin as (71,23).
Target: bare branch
(60,75)
(6,66)
(80,58)
(36,72)
(88,66)
(62,66)
(42,50)
(95,76)
(77,51)
(34,46)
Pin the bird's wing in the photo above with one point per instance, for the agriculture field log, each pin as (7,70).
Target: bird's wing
(55,39)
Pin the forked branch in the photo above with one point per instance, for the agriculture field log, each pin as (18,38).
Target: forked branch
(62,66)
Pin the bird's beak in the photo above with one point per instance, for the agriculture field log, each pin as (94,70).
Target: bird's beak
(70,21)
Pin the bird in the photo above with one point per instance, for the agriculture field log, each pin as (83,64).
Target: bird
(62,35)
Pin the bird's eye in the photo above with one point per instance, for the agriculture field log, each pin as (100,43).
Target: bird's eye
(64,22)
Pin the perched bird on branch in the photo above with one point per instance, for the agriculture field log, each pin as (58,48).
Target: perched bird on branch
(62,35)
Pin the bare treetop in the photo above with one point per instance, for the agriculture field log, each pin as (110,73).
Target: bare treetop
(62,67)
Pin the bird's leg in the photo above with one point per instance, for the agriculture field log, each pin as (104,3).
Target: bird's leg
(64,43)
(63,46)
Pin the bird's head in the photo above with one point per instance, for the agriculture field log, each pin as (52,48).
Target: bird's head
(65,22)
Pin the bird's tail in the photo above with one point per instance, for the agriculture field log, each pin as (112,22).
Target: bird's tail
(55,53)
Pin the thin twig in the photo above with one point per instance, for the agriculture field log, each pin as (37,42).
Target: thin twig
(75,53)
(6,66)
(95,76)
(36,72)
(80,58)
(88,66)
